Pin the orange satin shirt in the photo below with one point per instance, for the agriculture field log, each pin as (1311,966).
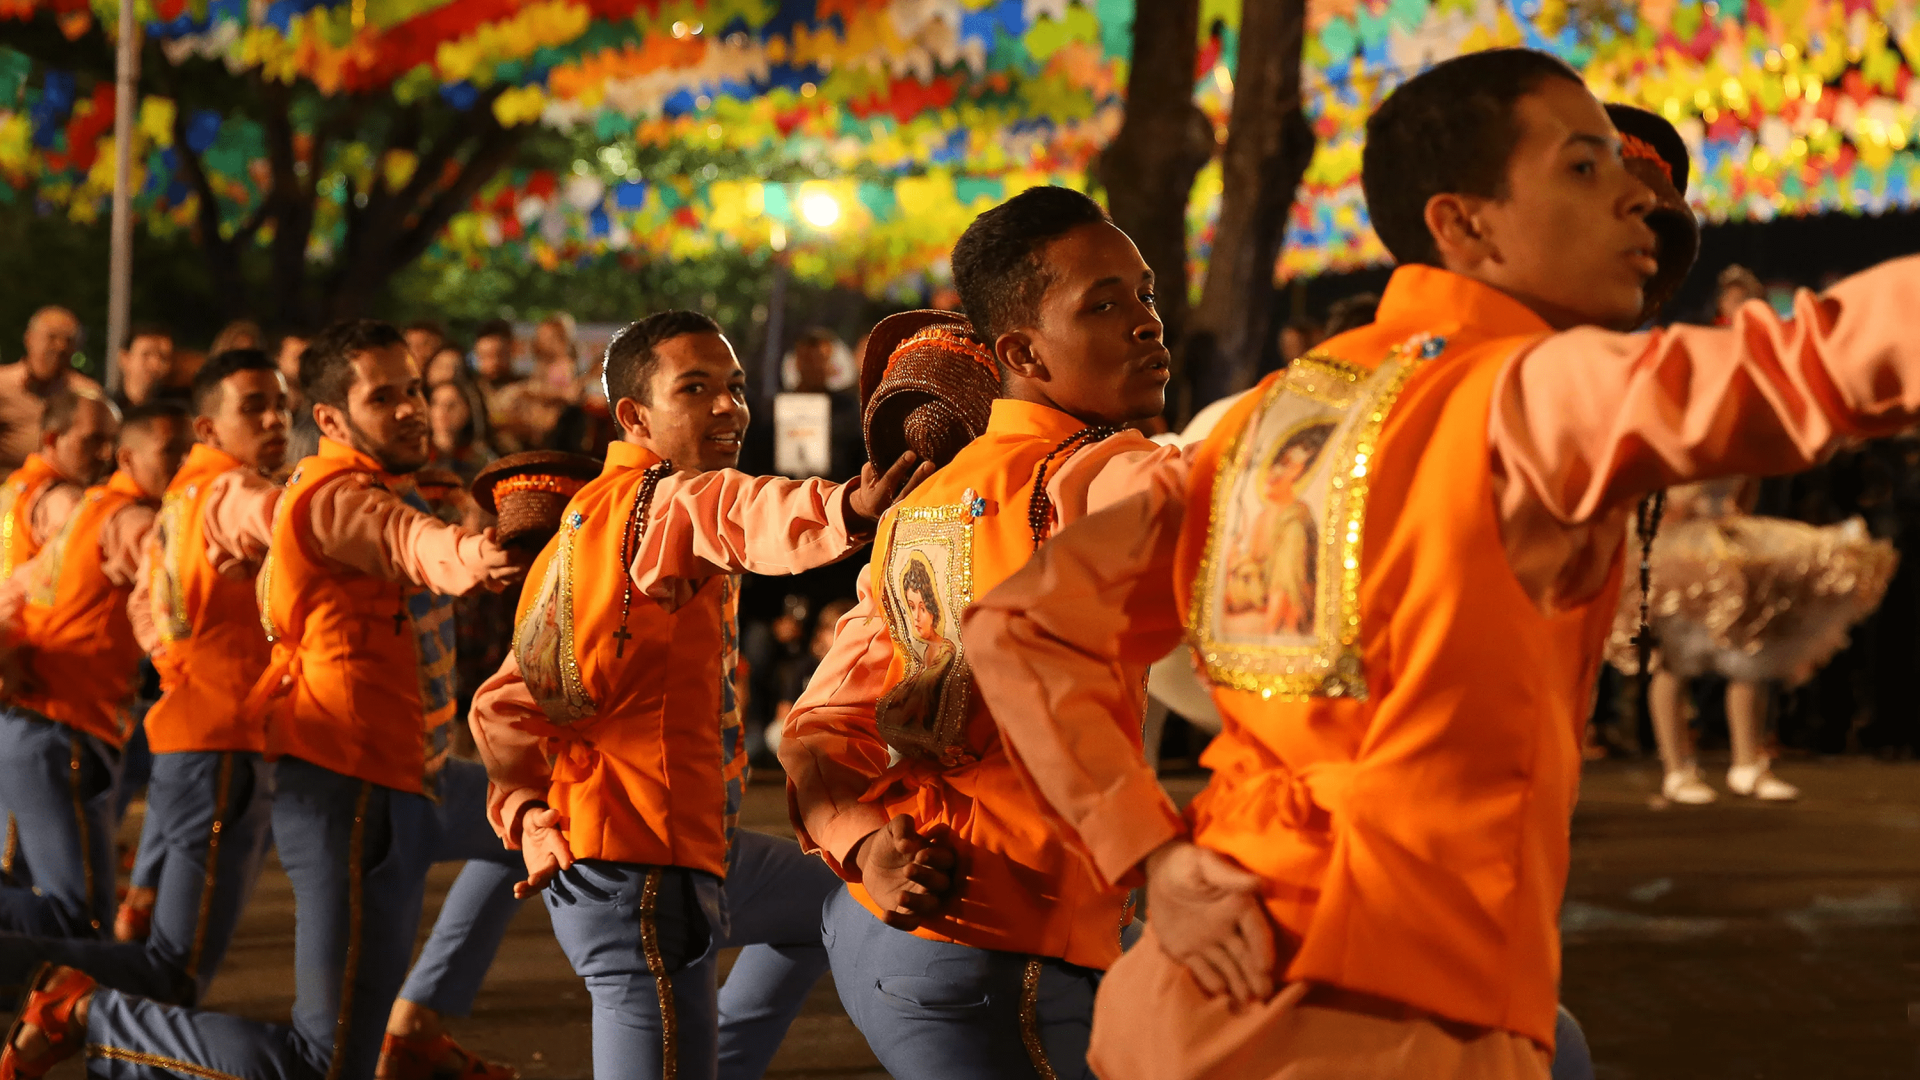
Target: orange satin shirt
(881,731)
(1413,843)
(81,648)
(211,647)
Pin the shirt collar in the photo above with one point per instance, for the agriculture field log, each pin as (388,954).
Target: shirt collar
(625,455)
(122,482)
(1011,417)
(207,459)
(1429,299)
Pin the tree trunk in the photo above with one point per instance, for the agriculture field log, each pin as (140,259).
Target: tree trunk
(1148,169)
(1269,144)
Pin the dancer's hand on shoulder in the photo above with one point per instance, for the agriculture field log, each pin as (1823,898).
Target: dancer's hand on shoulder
(877,492)
(906,874)
(544,847)
(1205,911)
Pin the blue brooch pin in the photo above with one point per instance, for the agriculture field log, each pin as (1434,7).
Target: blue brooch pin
(975,504)
(577,519)
(1432,347)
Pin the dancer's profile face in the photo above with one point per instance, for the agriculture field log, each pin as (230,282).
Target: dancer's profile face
(1568,237)
(1096,350)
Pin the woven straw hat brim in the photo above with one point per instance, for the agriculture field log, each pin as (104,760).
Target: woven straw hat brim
(532,462)
(1671,219)
(887,336)
(930,404)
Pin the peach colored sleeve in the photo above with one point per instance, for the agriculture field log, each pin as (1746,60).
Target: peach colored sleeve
(13,597)
(140,604)
(516,760)
(1105,473)
(369,529)
(831,746)
(1047,648)
(725,522)
(1585,422)
(237,521)
(123,543)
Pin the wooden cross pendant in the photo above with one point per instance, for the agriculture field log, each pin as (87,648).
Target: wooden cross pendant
(399,623)
(622,637)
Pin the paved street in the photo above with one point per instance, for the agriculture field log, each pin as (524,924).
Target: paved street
(1737,941)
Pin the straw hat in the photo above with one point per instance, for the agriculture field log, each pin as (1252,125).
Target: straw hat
(1657,154)
(529,491)
(926,385)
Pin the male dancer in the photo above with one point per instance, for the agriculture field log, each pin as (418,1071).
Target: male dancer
(76,447)
(356,589)
(612,734)
(1392,788)
(972,935)
(209,801)
(66,680)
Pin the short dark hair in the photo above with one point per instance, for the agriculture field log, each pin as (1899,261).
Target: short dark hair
(494,328)
(631,356)
(326,366)
(996,263)
(1450,129)
(63,407)
(140,330)
(1349,312)
(212,374)
(142,418)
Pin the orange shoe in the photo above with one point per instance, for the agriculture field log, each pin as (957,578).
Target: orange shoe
(52,995)
(134,920)
(433,1057)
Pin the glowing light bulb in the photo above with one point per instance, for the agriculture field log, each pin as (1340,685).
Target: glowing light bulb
(820,209)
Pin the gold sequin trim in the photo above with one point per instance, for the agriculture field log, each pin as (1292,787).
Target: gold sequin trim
(168,598)
(10,493)
(949,527)
(80,820)
(223,790)
(356,880)
(46,583)
(1330,667)
(155,1061)
(662,982)
(556,587)
(1030,1020)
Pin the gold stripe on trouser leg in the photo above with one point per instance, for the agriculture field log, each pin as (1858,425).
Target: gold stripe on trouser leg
(223,788)
(12,854)
(356,879)
(155,1061)
(80,819)
(1030,1020)
(662,982)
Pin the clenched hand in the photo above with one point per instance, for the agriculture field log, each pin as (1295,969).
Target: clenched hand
(905,873)
(876,492)
(544,847)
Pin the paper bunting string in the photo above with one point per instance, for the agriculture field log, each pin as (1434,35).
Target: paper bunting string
(915,114)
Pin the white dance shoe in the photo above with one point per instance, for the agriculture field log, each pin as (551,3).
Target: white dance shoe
(1687,787)
(1758,782)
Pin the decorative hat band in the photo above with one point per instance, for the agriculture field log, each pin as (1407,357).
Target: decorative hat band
(1634,146)
(558,485)
(946,338)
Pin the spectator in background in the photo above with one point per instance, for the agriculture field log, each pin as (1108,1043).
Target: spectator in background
(458,420)
(425,337)
(146,369)
(1352,312)
(287,358)
(1737,285)
(53,333)
(493,348)
(817,360)
(238,334)
(446,365)
(1297,337)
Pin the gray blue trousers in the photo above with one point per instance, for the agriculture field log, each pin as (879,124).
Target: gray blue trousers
(208,824)
(56,798)
(646,940)
(936,1010)
(357,855)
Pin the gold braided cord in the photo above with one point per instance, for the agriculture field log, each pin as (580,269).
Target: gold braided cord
(662,982)
(1030,1020)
